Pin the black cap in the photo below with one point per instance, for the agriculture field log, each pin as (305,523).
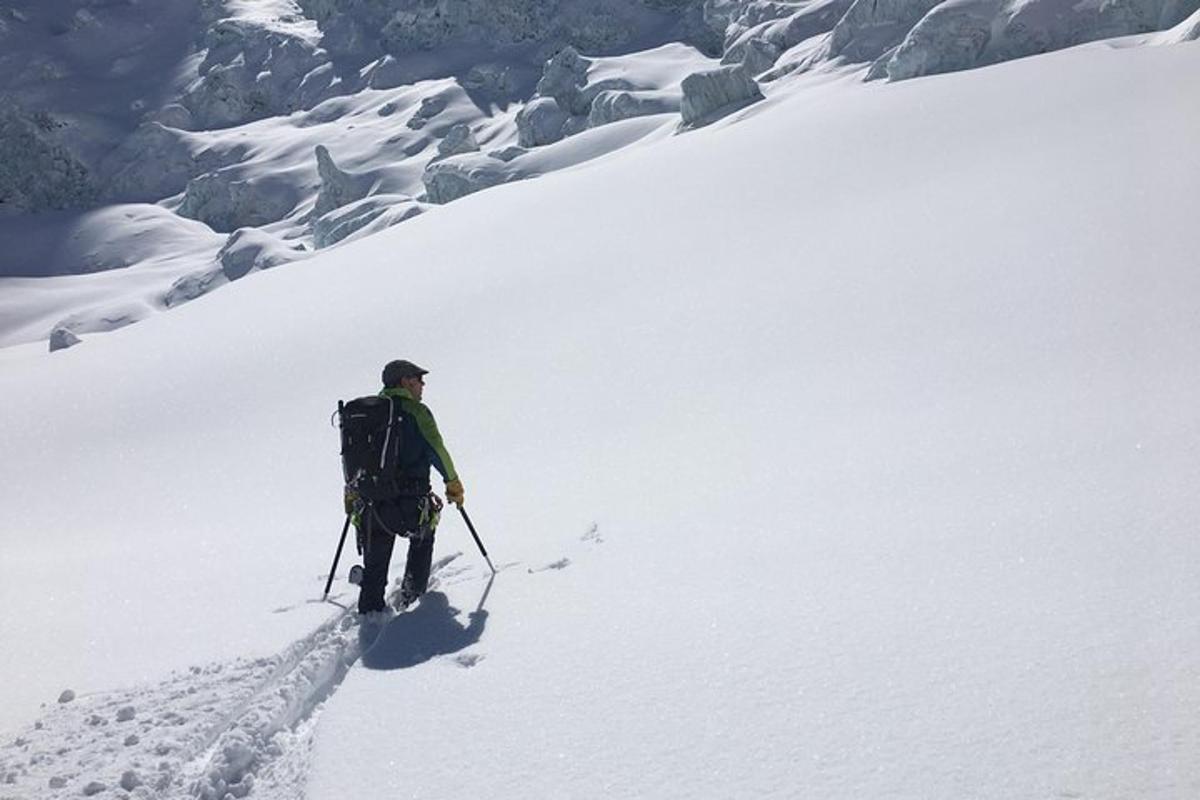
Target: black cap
(395,370)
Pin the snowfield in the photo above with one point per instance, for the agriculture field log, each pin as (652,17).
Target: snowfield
(844,448)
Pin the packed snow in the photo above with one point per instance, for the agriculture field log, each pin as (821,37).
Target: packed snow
(844,446)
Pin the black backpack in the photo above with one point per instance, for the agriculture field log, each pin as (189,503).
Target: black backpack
(372,437)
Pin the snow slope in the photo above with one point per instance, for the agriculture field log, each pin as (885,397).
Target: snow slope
(288,126)
(844,449)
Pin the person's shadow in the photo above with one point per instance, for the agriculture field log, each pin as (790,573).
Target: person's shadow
(431,629)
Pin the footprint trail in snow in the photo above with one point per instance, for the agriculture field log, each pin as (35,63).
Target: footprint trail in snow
(223,730)
(211,732)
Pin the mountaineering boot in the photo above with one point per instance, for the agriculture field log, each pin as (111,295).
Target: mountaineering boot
(417,568)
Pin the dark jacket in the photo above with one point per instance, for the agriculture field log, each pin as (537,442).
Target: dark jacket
(422,445)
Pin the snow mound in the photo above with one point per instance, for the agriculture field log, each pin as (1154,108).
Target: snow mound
(109,238)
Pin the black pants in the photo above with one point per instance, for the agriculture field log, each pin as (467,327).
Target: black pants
(379,533)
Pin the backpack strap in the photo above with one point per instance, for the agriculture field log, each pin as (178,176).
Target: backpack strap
(387,439)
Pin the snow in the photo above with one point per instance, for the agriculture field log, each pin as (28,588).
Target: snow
(100,244)
(214,112)
(845,447)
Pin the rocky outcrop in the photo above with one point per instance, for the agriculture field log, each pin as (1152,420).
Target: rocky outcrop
(155,162)
(541,121)
(459,140)
(338,187)
(61,338)
(756,55)
(785,27)
(196,284)
(950,37)
(735,18)
(507,154)
(1182,17)
(447,181)
(563,76)
(252,71)
(173,115)
(387,73)
(872,27)
(1039,26)
(37,171)
(339,225)
(565,79)
(491,81)
(358,29)
(430,107)
(225,202)
(249,249)
(1186,31)
(712,94)
(613,106)
(567,103)
(962,34)
(366,216)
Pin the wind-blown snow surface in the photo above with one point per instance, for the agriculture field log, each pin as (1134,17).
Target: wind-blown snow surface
(846,449)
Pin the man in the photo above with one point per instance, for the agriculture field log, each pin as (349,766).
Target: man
(413,513)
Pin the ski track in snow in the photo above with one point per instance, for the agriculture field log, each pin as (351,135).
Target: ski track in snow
(213,732)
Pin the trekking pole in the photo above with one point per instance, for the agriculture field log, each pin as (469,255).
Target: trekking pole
(336,556)
(471,528)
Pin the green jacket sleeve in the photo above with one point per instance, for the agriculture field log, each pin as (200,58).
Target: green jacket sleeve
(440,457)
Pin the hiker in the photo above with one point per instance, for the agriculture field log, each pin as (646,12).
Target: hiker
(413,511)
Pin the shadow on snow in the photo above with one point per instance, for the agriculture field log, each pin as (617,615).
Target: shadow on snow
(431,629)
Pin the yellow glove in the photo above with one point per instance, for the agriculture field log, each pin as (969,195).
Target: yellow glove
(349,498)
(454,492)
